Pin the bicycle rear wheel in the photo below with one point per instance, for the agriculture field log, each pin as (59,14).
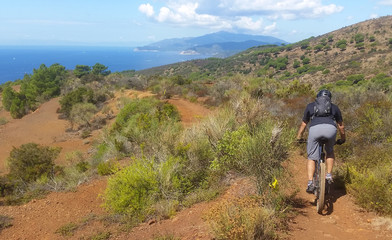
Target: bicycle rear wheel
(321,192)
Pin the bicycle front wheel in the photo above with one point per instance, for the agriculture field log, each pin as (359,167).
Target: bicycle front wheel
(321,196)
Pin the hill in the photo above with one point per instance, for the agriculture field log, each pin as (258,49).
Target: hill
(159,162)
(363,48)
(220,44)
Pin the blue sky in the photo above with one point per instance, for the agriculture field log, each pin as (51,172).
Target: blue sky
(139,22)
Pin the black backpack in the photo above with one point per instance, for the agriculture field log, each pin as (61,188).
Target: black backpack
(322,107)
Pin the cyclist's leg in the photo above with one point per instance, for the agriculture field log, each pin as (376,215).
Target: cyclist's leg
(330,160)
(311,166)
(313,154)
(330,133)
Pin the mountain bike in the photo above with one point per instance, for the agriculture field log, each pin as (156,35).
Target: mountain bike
(322,187)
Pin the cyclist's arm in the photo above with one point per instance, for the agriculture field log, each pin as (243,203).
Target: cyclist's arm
(341,130)
(301,129)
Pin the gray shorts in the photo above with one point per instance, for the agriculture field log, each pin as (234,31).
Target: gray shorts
(316,132)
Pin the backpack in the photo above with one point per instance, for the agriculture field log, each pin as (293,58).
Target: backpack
(322,107)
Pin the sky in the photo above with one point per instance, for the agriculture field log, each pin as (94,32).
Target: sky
(140,22)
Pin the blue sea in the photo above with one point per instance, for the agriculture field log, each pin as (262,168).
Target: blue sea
(16,61)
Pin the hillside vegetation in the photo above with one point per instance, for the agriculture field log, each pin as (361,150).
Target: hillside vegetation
(157,166)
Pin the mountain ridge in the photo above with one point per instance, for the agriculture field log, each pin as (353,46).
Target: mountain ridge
(362,48)
(220,44)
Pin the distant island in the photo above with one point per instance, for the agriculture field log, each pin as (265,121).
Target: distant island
(219,44)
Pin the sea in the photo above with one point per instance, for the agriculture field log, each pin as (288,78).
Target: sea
(16,61)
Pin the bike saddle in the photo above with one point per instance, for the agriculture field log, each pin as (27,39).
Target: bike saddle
(323,140)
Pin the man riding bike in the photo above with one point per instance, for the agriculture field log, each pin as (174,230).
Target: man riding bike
(325,118)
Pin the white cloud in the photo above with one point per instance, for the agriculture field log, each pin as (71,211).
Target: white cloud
(147,9)
(185,14)
(243,15)
(248,24)
(270,28)
(374,15)
(385,2)
(287,9)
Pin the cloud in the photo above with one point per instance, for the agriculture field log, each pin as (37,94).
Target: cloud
(248,23)
(386,2)
(245,15)
(186,15)
(286,9)
(374,15)
(147,9)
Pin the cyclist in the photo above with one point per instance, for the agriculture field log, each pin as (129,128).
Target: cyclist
(324,126)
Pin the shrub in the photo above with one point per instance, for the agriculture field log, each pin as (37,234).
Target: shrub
(79,95)
(342,44)
(372,188)
(242,218)
(133,189)
(31,161)
(107,168)
(265,152)
(229,150)
(82,113)
(359,38)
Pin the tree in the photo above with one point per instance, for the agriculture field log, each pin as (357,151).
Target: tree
(318,47)
(305,44)
(19,106)
(81,70)
(342,44)
(296,63)
(100,69)
(306,61)
(8,96)
(359,38)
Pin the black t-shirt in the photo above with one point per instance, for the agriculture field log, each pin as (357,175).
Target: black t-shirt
(336,116)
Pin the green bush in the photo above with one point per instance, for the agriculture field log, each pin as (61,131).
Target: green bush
(372,188)
(31,161)
(133,189)
(80,95)
(107,168)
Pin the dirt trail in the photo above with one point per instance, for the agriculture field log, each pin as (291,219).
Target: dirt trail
(43,127)
(39,219)
(342,220)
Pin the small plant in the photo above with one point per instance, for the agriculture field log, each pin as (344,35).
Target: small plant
(101,236)
(107,168)
(67,229)
(5,222)
(3,121)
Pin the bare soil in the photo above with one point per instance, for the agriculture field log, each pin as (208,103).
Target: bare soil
(40,218)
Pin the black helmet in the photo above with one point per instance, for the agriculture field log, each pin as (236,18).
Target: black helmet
(324,92)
